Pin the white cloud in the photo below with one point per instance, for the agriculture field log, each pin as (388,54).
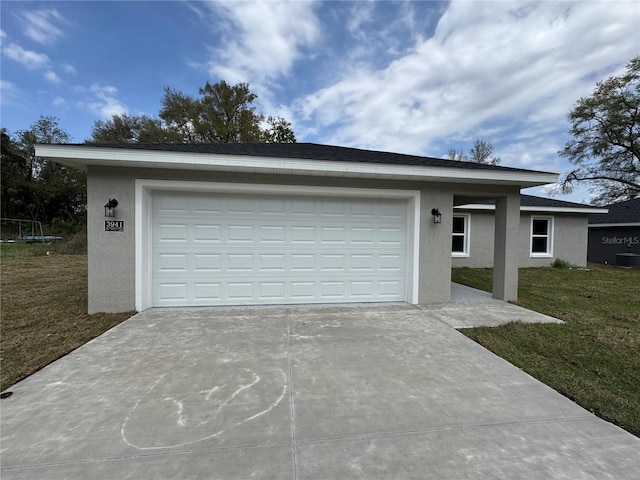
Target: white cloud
(489,66)
(103,101)
(44,26)
(51,76)
(262,39)
(30,59)
(9,92)
(68,69)
(59,102)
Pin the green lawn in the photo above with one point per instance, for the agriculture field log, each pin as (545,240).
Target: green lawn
(594,358)
(44,309)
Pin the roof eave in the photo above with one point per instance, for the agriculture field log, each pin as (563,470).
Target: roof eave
(81,158)
(614,224)
(581,210)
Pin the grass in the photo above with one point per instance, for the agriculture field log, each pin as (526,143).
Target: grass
(594,358)
(44,304)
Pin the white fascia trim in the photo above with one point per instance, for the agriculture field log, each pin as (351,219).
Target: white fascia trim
(604,225)
(143,221)
(585,211)
(83,156)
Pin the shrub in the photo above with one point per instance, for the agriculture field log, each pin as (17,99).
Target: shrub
(560,263)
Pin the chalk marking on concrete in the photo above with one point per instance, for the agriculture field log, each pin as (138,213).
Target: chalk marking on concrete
(253,417)
(211,391)
(180,406)
(124,424)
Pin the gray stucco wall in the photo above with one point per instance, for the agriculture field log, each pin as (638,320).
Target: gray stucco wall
(435,246)
(112,280)
(111,262)
(569,240)
(481,234)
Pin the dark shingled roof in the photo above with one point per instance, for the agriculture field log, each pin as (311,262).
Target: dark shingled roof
(306,151)
(623,212)
(531,201)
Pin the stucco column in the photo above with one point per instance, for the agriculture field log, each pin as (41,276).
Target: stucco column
(435,246)
(111,255)
(505,248)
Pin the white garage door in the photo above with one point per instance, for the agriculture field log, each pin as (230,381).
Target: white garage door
(220,249)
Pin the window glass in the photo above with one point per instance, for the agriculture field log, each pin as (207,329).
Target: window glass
(457,244)
(460,235)
(539,245)
(458,224)
(541,236)
(540,226)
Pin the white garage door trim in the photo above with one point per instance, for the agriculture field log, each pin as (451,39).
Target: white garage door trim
(143,223)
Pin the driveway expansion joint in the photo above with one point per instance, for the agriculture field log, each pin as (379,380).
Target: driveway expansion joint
(294,443)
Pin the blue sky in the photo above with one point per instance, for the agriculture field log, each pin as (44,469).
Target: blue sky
(415,77)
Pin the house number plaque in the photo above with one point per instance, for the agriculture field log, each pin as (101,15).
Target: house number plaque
(114,225)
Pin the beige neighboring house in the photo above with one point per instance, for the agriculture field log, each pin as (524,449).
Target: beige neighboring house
(245,224)
(549,229)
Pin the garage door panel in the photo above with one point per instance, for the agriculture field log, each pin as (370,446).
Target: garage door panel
(303,235)
(207,292)
(240,291)
(272,234)
(171,204)
(390,236)
(172,291)
(303,262)
(362,235)
(240,262)
(273,207)
(240,234)
(207,233)
(272,291)
(172,232)
(241,206)
(333,235)
(214,249)
(272,262)
(207,262)
(172,262)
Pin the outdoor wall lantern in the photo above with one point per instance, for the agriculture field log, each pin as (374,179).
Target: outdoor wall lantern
(110,208)
(437,216)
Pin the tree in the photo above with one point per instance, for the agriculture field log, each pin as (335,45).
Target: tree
(226,114)
(36,189)
(132,129)
(14,181)
(456,154)
(222,114)
(481,152)
(179,112)
(605,148)
(279,131)
(43,130)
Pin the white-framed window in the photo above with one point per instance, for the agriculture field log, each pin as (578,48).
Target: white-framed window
(541,239)
(460,236)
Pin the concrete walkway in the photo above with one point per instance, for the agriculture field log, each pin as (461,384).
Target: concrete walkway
(365,392)
(470,307)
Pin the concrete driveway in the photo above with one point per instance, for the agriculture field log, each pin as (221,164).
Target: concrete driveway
(300,393)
